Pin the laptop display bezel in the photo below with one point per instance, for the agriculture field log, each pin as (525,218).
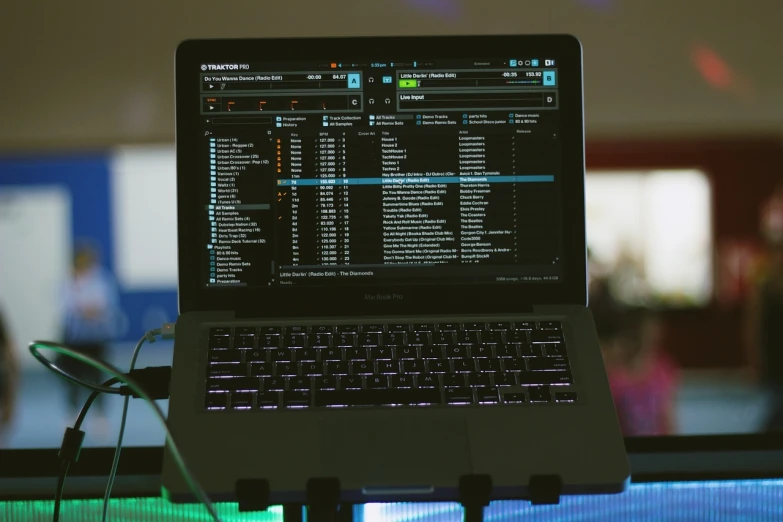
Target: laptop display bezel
(346,300)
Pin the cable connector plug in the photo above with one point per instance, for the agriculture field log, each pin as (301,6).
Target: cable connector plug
(154,380)
(72,445)
(167,330)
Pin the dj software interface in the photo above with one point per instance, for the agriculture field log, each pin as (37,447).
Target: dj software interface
(388,171)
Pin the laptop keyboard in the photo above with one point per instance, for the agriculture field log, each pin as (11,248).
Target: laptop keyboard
(426,364)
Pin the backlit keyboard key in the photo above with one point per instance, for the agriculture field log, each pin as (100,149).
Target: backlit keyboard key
(448,327)
(530,350)
(481,352)
(370,339)
(381,353)
(463,366)
(553,378)
(565,397)
(299,383)
(474,327)
(428,381)
(344,340)
(525,325)
(546,336)
(261,370)
(332,354)
(322,329)
(377,382)
(351,382)
(514,365)
(296,399)
(356,354)
(224,356)
(407,352)
(487,395)
(326,383)
(479,380)
(337,368)
(256,355)
(235,384)
(347,328)
(269,341)
(312,369)
(549,325)
(362,368)
(539,394)
(554,350)
(418,339)
(219,331)
(501,327)
(432,352)
(319,340)
(459,396)
(273,384)
(402,381)
(398,328)
(294,340)
(492,337)
(216,401)
(286,369)
(227,370)
(271,330)
(457,351)
(241,401)
(516,337)
(281,355)
(514,398)
(437,366)
(306,354)
(393,339)
(453,380)
(267,400)
(490,365)
(505,379)
(372,328)
(423,327)
(219,342)
(542,364)
(245,330)
(341,398)
(387,367)
(413,366)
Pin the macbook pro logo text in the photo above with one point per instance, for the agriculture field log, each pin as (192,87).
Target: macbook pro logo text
(383,297)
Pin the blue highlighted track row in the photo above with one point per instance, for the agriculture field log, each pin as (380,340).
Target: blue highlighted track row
(420,180)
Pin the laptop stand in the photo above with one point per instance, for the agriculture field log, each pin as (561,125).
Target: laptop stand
(323,497)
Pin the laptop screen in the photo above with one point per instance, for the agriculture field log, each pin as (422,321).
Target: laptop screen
(402,171)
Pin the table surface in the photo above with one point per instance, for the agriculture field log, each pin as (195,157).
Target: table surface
(730,500)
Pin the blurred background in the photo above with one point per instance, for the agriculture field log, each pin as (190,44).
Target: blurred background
(684,124)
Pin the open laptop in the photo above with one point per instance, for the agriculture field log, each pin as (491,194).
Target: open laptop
(382,269)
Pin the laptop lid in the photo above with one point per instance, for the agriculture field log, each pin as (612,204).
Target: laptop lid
(383,175)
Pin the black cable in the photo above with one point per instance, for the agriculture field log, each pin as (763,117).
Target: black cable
(137,390)
(70,378)
(72,445)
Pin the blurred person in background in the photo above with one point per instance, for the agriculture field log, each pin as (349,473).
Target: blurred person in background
(642,377)
(90,312)
(765,314)
(9,375)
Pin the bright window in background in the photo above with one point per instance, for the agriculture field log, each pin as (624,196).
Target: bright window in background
(650,233)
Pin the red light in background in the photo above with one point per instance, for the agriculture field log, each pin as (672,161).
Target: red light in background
(712,67)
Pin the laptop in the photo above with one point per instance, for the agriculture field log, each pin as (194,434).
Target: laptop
(382,270)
